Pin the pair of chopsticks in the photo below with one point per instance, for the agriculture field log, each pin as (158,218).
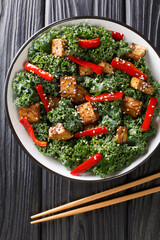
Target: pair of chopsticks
(98,196)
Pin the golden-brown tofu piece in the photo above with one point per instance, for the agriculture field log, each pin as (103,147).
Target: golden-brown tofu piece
(53,101)
(87,113)
(80,96)
(121,135)
(107,68)
(32,113)
(137,51)
(59,47)
(131,106)
(83,71)
(68,87)
(58,132)
(141,85)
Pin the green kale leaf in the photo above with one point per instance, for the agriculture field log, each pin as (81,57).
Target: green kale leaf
(66,114)
(104,83)
(24,87)
(110,113)
(55,66)
(59,150)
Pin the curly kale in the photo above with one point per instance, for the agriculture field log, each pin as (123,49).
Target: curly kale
(41,131)
(105,52)
(82,151)
(55,66)
(103,83)
(43,42)
(59,150)
(110,113)
(115,157)
(66,114)
(135,135)
(121,48)
(107,49)
(24,87)
(75,151)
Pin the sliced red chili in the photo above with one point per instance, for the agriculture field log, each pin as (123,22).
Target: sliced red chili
(30,131)
(95,68)
(32,68)
(116,35)
(128,68)
(106,97)
(89,43)
(149,113)
(43,98)
(91,132)
(87,164)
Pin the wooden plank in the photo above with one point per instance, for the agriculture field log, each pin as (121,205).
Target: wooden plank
(60,9)
(20,178)
(143,214)
(143,16)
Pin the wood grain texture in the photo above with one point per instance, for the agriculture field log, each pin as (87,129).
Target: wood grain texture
(144,16)
(19,176)
(59,9)
(25,189)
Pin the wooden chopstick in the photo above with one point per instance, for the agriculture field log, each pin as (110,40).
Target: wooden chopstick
(100,205)
(98,195)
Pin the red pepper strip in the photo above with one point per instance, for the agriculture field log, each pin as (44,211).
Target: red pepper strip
(95,68)
(91,132)
(32,68)
(149,113)
(89,43)
(106,97)
(87,164)
(43,98)
(128,68)
(116,35)
(29,129)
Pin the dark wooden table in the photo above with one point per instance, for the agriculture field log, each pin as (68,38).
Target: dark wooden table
(25,188)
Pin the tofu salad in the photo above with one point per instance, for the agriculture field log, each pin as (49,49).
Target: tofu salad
(88,99)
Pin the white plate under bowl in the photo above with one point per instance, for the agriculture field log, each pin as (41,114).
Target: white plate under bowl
(17,65)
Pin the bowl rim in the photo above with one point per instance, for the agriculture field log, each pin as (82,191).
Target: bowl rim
(6,90)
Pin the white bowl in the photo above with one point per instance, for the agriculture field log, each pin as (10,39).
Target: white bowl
(17,65)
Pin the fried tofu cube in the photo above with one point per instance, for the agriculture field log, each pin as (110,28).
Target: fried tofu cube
(58,132)
(32,113)
(131,106)
(121,135)
(53,101)
(87,113)
(83,71)
(107,68)
(141,85)
(59,47)
(80,96)
(68,87)
(137,51)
